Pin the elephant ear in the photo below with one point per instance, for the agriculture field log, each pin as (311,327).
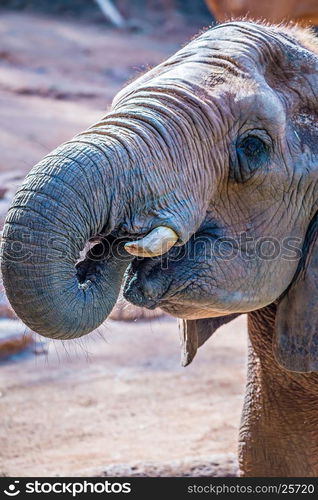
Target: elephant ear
(195,332)
(295,342)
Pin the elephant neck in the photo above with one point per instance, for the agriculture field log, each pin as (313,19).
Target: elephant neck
(279,435)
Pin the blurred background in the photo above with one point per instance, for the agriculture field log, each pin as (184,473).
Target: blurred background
(116,402)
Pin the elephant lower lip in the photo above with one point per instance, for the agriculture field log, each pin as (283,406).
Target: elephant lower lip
(133,292)
(141,301)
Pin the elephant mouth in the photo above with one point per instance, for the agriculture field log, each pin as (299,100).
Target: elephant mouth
(139,288)
(169,282)
(149,283)
(142,289)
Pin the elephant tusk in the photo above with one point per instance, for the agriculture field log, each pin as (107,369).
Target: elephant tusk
(157,242)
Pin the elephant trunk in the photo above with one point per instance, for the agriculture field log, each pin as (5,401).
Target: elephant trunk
(65,201)
(124,177)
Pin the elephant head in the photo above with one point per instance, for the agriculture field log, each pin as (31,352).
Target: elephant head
(200,184)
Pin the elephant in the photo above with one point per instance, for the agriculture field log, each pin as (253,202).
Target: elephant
(197,192)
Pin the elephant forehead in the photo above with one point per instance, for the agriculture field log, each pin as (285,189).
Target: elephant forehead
(262,102)
(221,51)
(245,40)
(234,58)
(239,43)
(247,49)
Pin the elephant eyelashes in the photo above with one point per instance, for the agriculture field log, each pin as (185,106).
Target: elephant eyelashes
(252,153)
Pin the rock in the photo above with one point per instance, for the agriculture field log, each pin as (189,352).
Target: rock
(13,338)
(305,14)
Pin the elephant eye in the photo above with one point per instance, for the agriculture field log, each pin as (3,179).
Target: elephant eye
(252,147)
(252,153)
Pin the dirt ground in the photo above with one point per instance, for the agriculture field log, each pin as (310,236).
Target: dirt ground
(116,402)
(119,403)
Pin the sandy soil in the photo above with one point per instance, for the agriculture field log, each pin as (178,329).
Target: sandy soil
(84,407)
(116,402)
